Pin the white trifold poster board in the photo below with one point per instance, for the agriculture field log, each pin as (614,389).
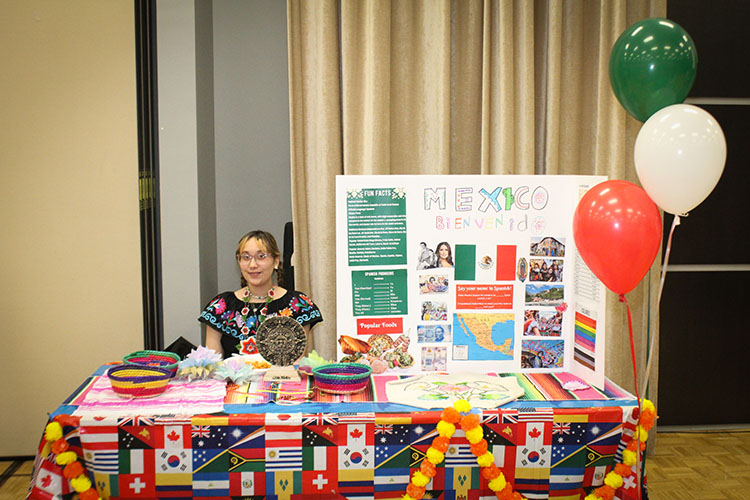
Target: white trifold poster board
(466,273)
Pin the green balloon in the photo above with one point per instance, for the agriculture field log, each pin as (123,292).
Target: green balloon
(652,65)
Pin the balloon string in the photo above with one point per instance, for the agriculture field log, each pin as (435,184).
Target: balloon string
(632,348)
(635,379)
(667,251)
(654,342)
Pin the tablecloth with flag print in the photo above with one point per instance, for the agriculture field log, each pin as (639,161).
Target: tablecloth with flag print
(557,449)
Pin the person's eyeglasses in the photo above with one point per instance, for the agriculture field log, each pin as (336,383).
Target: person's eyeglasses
(246,258)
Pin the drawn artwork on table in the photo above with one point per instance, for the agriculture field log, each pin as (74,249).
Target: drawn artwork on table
(455,266)
(442,390)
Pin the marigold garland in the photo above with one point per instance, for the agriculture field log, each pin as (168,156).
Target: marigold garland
(470,424)
(73,470)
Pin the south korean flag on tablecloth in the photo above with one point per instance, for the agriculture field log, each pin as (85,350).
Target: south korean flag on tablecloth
(356,447)
(534,446)
(174,461)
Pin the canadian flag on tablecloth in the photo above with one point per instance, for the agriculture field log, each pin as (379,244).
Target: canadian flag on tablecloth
(356,447)
(178,436)
(534,446)
(49,482)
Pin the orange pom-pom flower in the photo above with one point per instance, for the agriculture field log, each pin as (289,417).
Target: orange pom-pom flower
(73,470)
(450,415)
(469,421)
(441,443)
(60,446)
(415,491)
(623,470)
(428,468)
(490,472)
(605,492)
(480,448)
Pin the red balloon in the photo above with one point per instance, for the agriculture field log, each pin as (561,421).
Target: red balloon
(617,229)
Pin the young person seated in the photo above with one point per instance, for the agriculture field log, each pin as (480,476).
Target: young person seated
(232,318)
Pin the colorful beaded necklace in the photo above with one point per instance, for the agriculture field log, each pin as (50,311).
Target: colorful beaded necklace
(246,309)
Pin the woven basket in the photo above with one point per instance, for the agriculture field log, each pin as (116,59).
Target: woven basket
(138,381)
(163,359)
(342,378)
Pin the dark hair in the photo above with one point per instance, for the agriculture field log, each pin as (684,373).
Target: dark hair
(450,252)
(268,243)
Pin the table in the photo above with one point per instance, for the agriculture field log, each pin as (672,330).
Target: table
(551,443)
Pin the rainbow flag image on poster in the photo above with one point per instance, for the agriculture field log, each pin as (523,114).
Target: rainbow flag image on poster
(585,340)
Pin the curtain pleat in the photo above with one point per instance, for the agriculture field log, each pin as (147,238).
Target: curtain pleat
(457,87)
(316,153)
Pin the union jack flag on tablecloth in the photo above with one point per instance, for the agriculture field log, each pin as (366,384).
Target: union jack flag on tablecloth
(200,431)
(560,428)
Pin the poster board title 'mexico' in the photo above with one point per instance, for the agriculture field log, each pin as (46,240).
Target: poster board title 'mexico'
(486,202)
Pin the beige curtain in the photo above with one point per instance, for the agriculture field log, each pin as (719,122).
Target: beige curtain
(456,87)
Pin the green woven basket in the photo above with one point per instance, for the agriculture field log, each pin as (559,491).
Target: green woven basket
(162,359)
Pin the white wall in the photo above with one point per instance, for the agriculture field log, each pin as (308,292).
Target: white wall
(178,169)
(253,189)
(223,143)
(70,269)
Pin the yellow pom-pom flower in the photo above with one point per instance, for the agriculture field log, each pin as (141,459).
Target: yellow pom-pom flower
(592,497)
(80,483)
(53,432)
(66,458)
(641,433)
(462,406)
(497,484)
(628,457)
(407,497)
(446,428)
(486,460)
(419,479)
(647,405)
(435,457)
(613,479)
(475,435)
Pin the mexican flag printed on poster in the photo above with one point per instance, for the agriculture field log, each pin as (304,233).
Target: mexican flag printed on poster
(466,273)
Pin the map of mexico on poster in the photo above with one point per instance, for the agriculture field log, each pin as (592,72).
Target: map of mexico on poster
(473,273)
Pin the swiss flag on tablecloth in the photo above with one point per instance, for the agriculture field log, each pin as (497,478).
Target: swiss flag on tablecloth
(320,482)
(137,485)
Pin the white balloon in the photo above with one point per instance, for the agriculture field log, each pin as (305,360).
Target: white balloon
(680,154)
